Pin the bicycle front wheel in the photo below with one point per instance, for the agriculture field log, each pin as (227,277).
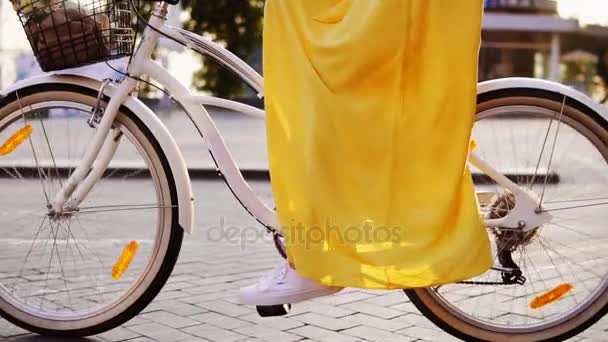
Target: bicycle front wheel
(557,149)
(97,265)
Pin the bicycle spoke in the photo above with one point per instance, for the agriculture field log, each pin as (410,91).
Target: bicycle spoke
(48,144)
(546,248)
(29,251)
(91,210)
(573,207)
(63,276)
(570,229)
(579,200)
(31,143)
(48,271)
(559,121)
(540,156)
(95,255)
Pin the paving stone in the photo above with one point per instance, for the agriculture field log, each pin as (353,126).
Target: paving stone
(183,277)
(374,310)
(142,339)
(226,308)
(211,288)
(326,322)
(377,335)
(417,319)
(323,335)
(169,319)
(160,332)
(137,320)
(405,307)
(389,299)
(594,334)
(207,297)
(221,321)
(119,334)
(7,329)
(428,334)
(214,333)
(176,307)
(343,298)
(325,309)
(267,334)
(182,285)
(172,295)
(281,323)
(394,324)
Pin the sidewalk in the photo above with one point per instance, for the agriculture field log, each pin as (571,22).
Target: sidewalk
(245,138)
(199,303)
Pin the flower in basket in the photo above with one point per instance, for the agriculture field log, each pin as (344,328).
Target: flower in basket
(35,10)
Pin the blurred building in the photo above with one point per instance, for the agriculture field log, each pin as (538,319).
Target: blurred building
(529,38)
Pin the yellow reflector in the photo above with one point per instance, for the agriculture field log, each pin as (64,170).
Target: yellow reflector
(124,260)
(551,296)
(472,146)
(15,140)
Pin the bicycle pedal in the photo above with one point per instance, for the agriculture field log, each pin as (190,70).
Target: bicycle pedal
(273,310)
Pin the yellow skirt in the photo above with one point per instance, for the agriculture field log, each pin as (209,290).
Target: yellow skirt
(370,106)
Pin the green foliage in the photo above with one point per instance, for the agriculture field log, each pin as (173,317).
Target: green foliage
(236,24)
(580,75)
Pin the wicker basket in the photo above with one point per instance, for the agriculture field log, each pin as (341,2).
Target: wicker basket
(71,33)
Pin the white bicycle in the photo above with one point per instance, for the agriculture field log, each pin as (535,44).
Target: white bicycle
(89,240)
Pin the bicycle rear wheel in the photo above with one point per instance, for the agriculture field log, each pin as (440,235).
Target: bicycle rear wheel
(69,274)
(557,149)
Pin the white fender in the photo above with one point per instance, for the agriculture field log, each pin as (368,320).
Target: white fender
(535,83)
(152,122)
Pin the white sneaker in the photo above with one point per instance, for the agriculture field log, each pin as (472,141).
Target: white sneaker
(284,286)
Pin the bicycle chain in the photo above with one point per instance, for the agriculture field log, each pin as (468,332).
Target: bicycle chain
(469,282)
(517,279)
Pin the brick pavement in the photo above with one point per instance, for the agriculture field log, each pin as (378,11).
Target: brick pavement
(199,302)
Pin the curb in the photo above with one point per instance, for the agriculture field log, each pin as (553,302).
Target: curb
(12,171)
(250,174)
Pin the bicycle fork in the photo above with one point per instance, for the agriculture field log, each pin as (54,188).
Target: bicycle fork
(98,155)
(106,140)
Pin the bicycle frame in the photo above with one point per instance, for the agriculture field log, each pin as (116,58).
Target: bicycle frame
(525,215)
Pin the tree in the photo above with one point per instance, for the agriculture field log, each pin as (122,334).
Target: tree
(236,24)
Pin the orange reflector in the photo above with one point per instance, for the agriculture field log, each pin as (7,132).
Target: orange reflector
(15,140)
(551,296)
(124,260)
(472,145)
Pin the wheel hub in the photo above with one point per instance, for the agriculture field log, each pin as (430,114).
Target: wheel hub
(509,239)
